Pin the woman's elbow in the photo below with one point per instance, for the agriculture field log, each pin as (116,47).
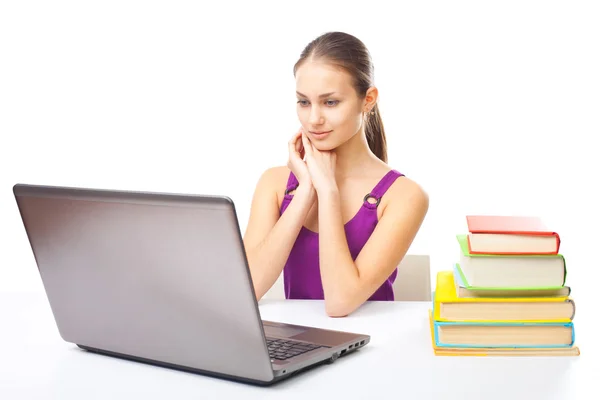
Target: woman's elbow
(339,308)
(333,313)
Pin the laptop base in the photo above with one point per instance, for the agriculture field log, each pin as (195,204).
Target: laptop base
(182,368)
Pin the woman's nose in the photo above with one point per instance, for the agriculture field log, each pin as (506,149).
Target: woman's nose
(315,116)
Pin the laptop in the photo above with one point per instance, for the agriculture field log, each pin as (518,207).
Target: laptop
(163,279)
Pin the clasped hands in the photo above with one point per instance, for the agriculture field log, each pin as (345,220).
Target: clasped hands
(314,169)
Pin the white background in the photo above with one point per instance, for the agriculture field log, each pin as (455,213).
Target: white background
(493,107)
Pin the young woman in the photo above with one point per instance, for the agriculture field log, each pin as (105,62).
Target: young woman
(337,220)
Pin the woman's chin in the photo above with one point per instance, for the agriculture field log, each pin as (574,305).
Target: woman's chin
(325,148)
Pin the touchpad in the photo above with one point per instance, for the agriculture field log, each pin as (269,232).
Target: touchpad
(281,330)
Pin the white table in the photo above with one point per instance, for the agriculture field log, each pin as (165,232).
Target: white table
(397,364)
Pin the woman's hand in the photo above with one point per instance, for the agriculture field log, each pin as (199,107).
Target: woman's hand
(321,167)
(297,164)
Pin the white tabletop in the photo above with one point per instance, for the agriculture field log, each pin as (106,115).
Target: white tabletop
(397,364)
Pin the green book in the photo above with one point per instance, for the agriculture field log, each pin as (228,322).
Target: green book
(464,289)
(531,271)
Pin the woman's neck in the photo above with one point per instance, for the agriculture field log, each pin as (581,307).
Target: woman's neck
(353,156)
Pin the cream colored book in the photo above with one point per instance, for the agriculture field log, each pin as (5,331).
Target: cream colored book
(571,351)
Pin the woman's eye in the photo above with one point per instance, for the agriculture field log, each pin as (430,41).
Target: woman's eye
(330,103)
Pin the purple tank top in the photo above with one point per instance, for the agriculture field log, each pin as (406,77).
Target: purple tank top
(301,275)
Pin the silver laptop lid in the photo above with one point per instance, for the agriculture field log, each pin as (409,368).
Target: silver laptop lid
(158,276)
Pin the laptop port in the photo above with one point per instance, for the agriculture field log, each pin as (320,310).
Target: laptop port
(362,342)
(356,344)
(351,346)
(343,352)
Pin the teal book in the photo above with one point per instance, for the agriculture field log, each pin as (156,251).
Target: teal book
(503,334)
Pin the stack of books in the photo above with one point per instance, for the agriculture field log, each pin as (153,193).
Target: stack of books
(506,295)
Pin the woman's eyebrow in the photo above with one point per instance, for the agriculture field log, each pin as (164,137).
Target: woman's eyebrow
(320,96)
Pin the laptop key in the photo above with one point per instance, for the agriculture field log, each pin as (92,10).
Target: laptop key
(280,349)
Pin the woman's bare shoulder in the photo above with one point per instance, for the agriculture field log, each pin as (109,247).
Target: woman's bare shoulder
(275,178)
(405,191)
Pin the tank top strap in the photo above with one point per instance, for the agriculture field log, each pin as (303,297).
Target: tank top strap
(292,183)
(382,186)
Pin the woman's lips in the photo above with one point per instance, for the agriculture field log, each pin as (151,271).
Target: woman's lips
(320,135)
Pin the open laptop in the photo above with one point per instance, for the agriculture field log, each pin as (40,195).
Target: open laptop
(162,279)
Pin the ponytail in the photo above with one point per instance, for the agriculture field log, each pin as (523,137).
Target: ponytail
(376,134)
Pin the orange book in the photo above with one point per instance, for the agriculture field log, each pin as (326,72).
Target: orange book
(504,234)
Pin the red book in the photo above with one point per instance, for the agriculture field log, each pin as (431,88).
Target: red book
(503,234)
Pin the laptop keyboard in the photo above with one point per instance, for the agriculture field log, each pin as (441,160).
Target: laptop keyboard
(282,349)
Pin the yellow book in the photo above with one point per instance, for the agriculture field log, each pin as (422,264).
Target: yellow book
(447,306)
(496,351)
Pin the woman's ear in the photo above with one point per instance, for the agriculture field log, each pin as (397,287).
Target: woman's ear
(371,97)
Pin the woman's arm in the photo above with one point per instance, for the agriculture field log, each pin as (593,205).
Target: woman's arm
(346,283)
(269,239)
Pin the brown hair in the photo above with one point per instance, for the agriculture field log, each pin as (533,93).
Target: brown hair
(350,54)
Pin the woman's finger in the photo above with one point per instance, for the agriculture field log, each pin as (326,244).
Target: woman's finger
(293,146)
(299,143)
(307,145)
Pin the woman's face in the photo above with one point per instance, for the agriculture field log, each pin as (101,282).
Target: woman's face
(328,103)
